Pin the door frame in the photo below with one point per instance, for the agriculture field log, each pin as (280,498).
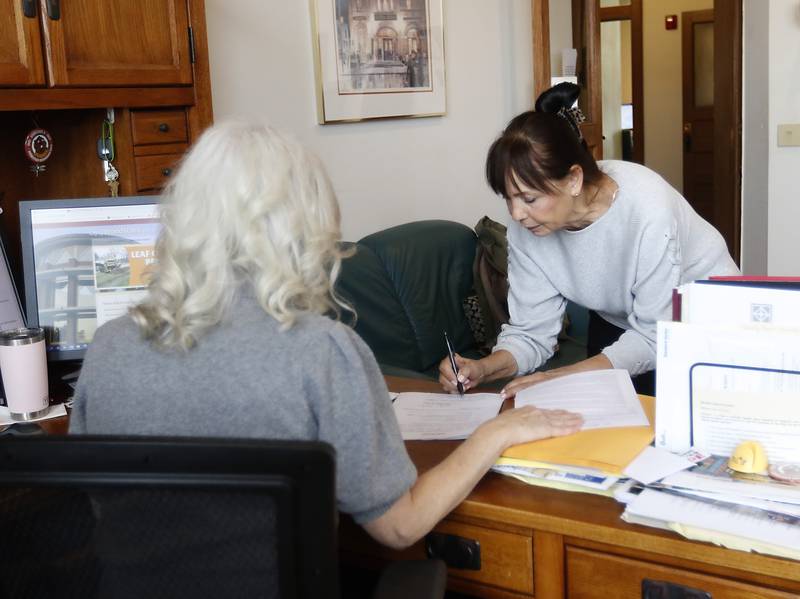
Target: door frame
(728,112)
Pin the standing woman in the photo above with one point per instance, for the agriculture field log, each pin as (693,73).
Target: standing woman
(612,236)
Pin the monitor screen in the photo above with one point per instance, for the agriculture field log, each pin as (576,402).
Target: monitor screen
(85,262)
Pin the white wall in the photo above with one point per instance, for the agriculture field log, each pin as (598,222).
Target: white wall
(784,163)
(393,171)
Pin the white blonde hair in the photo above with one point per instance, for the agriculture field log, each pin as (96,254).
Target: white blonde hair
(247,205)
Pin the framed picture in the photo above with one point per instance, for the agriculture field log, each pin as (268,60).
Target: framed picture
(378,59)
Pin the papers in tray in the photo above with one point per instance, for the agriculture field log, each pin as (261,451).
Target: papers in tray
(429,416)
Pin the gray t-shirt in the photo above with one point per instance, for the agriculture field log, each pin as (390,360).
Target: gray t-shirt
(247,378)
(624,266)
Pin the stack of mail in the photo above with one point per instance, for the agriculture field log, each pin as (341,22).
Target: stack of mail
(617,427)
(711,502)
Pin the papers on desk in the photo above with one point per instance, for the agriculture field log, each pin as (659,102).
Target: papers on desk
(605,398)
(428,416)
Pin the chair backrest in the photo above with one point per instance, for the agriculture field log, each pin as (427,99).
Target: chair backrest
(407,285)
(89,516)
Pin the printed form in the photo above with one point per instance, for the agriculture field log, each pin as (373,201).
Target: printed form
(605,398)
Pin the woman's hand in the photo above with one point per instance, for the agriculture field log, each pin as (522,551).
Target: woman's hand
(470,373)
(529,423)
(528,380)
(598,362)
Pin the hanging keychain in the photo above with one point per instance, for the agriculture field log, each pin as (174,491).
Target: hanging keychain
(106,153)
(38,148)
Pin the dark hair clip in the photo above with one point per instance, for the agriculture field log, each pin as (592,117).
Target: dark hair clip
(574,117)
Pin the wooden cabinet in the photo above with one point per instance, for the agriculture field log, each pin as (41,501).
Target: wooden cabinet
(20,44)
(97,44)
(61,70)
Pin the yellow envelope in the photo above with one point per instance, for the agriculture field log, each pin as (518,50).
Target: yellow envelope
(607,449)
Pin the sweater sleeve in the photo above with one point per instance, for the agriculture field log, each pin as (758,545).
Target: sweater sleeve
(658,271)
(373,469)
(535,309)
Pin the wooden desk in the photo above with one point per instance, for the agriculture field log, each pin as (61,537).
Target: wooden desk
(543,543)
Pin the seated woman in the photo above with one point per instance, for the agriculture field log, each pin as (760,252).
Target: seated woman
(611,236)
(233,339)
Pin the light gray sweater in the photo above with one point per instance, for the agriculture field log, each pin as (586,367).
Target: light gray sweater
(624,266)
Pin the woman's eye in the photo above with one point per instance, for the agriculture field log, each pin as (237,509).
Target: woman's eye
(529,200)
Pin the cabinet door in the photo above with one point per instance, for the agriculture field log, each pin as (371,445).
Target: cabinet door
(20,44)
(117,42)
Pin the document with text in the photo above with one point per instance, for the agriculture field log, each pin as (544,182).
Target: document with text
(428,416)
(605,398)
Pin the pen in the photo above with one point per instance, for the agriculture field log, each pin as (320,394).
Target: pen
(453,363)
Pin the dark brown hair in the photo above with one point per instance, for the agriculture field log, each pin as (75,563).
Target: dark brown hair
(541,146)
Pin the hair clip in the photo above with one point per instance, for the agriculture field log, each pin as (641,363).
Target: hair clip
(574,116)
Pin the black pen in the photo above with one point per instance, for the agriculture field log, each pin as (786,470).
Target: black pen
(453,363)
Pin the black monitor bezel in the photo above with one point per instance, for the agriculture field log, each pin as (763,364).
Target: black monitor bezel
(31,308)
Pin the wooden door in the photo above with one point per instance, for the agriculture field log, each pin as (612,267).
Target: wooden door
(586,38)
(20,44)
(698,111)
(117,42)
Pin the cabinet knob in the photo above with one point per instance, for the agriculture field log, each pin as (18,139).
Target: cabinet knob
(166,171)
(163,127)
(29,8)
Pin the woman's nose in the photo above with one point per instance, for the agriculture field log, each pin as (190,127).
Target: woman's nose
(517,210)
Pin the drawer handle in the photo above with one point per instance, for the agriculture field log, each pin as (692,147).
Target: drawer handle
(455,551)
(29,8)
(53,9)
(661,589)
(166,171)
(163,127)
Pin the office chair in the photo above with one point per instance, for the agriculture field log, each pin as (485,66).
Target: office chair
(119,517)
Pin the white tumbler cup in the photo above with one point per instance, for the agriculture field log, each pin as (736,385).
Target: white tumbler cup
(24,366)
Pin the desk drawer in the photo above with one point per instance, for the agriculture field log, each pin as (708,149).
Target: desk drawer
(159,126)
(153,172)
(506,558)
(595,575)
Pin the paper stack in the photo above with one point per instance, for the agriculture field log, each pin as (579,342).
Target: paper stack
(710,502)
(617,427)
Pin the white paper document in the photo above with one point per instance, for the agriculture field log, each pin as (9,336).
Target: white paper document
(654,464)
(605,398)
(720,385)
(744,522)
(428,416)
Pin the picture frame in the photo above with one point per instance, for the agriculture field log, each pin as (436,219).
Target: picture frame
(377,59)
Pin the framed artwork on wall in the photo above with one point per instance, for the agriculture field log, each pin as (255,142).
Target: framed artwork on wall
(378,59)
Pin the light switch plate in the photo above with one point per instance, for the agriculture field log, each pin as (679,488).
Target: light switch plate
(789,135)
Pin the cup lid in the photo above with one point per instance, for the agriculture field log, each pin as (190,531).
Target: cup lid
(21,336)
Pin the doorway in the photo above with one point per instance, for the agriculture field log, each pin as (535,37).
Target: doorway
(725,209)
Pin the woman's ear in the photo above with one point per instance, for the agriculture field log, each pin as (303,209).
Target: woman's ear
(575,180)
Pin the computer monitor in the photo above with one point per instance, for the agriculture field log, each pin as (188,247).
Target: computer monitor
(85,261)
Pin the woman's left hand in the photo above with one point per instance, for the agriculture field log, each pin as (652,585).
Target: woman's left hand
(598,362)
(528,380)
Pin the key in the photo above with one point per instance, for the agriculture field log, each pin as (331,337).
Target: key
(112,177)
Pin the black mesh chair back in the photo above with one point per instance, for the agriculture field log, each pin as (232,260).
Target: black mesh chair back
(118,517)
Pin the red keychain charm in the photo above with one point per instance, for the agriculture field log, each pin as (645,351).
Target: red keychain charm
(38,148)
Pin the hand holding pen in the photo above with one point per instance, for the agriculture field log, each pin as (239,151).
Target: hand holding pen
(453,364)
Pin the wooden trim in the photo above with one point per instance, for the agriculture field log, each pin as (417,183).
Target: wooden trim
(200,113)
(154,149)
(616,13)
(637,83)
(540,17)
(123,97)
(548,574)
(728,122)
